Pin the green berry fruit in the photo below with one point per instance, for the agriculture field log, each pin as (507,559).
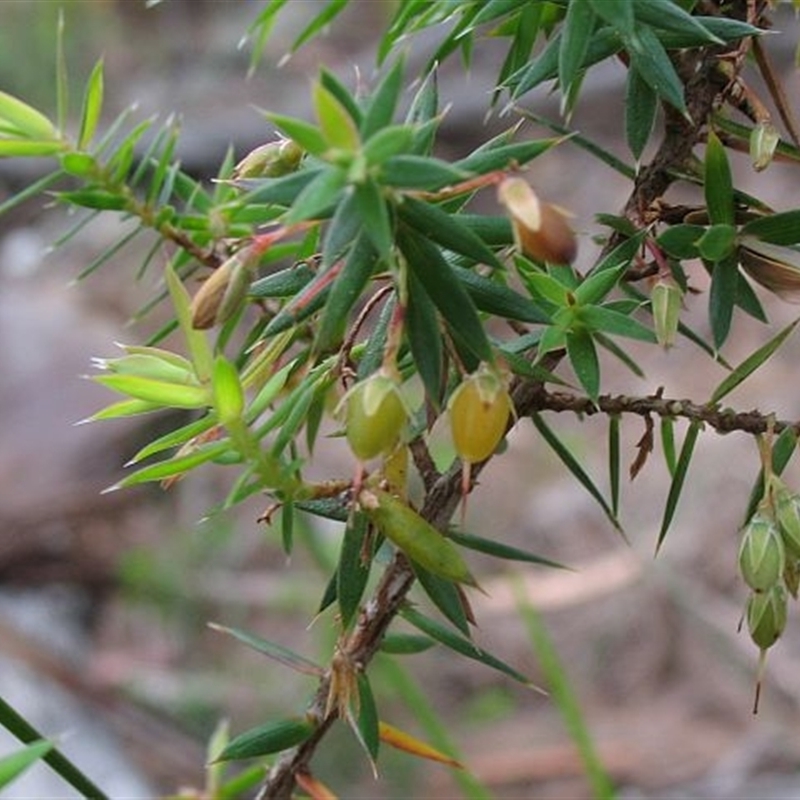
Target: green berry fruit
(762,557)
(374,416)
(766,616)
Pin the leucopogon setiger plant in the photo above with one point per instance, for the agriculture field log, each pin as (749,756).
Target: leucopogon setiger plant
(347,283)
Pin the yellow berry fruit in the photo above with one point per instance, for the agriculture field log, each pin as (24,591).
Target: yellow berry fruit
(374,416)
(479,411)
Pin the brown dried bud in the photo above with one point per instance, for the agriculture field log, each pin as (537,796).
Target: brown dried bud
(541,230)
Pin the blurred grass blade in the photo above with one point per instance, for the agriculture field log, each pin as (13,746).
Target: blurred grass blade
(678,478)
(461,645)
(751,363)
(564,697)
(571,463)
(62,76)
(319,22)
(60,764)
(614,461)
(277,652)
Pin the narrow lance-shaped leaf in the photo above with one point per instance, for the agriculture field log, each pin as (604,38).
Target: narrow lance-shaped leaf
(651,61)
(446,292)
(352,571)
(460,645)
(445,596)
(92,106)
(676,487)
(668,444)
(338,127)
(752,363)
(32,124)
(583,357)
(718,183)
(571,463)
(373,210)
(722,298)
(199,349)
(277,652)
(782,229)
(368,717)
(410,744)
(641,103)
(272,737)
(498,549)
(383,103)
(575,39)
(14,764)
(424,337)
(170,395)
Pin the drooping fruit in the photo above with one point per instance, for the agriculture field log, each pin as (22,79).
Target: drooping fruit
(762,557)
(374,416)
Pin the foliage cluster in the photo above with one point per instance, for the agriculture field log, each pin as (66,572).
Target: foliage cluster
(348,278)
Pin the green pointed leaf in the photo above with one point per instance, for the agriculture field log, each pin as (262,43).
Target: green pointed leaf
(124,408)
(498,299)
(388,142)
(19,727)
(272,737)
(92,106)
(668,444)
(330,82)
(383,103)
(447,230)
(345,293)
(374,213)
(337,126)
(277,652)
(650,60)
(303,133)
(459,644)
(752,363)
(14,764)
(177,465)
(641,104)
(614,461)
(372,357)
(486,160)
(319,22)
(28,147)
(32,124)
(444,595)
(607,320)
(576,35)
(171,395)
(310,300)
(368,717)
(583,357)
(352,573)
(285,283)
(176,438)
(93,198)
(718,183)
(572,464)
(420,172)
(598,284)
(500,550)
(228,393)
(318,197)
(446,292)
(783,229)
(424,337)
(618,13)
(722,298)
(678,478)
(666,15)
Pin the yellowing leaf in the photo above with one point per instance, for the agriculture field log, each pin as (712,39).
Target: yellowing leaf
(410,744)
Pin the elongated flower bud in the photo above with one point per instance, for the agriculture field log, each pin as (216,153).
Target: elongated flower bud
(763,142)
(270,160)
(766,616)
(761,555)
(375,415)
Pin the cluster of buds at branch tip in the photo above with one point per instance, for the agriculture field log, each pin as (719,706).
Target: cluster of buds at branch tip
(541,230)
